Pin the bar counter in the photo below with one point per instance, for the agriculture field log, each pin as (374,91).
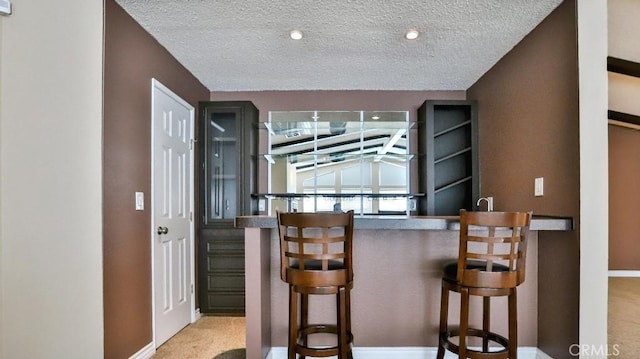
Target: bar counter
(538,223)
(397,270)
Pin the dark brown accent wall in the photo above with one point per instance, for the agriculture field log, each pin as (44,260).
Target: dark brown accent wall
(529,126)
(624,176)
(132,59)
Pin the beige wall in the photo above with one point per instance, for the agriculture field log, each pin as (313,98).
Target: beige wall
(50,180)
(624,92)
(624,198)
(624,142)
(623,28)
(624,174)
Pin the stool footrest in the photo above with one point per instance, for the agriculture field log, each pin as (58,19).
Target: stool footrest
(319,351)
(471,353)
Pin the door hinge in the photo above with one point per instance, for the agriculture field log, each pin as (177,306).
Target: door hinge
(191,288)
(190,216)
(192,143)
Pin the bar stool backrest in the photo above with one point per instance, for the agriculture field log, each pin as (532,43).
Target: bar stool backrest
(493,247)
(315,248)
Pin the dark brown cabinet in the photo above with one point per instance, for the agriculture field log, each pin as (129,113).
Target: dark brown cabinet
(448,161)
(228,145)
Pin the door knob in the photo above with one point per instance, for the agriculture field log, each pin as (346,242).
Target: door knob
(163,230)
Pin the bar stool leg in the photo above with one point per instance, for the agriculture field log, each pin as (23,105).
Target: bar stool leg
(444,314)
(464,322)
(293,322)
(342,324)
(304,319)
(486,320)
(513,324)
(347,296)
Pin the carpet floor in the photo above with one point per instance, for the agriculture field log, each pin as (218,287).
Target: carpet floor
(207,338)
(624,318)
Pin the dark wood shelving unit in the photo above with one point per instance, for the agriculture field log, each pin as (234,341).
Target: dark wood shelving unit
(447,141)
(227,177)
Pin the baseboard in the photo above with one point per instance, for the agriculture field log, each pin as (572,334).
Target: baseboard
(145,353)
(196,315)
(540,354)
(408,353)
(624,273)
(149,350)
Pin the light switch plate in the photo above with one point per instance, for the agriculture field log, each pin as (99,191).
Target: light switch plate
(539,187)
(139,201)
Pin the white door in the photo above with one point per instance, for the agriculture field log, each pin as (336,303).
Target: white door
(172,204)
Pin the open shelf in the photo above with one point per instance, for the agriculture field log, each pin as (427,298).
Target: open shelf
(450,156)
(624,117)
(453,184)
(447,139)
(625,67)
(452,128)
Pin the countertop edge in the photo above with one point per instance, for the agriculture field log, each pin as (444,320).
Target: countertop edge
(538,223)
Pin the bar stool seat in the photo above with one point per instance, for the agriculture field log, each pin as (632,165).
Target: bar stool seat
(491,262)
(450,271)
(316,259)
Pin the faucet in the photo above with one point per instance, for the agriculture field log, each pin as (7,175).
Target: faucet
(489,203)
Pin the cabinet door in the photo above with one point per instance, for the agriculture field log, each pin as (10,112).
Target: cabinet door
(449,151)
(222,166)
(228,144)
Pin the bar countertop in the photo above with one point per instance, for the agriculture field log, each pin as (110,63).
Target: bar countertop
(538,223)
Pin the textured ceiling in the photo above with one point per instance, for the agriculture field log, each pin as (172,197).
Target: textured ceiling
(347,45)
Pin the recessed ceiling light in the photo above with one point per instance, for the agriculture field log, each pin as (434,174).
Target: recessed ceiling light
(296,34)
(411,35)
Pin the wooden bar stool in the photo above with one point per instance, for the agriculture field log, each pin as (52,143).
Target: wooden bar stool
(316,259)
(491,262)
